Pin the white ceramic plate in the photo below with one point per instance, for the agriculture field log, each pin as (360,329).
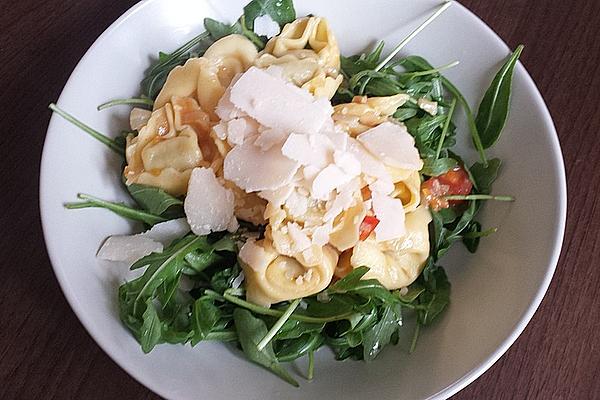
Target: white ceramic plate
(494,293)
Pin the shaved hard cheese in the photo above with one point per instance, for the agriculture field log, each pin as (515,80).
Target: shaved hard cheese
(255,256)
(208,205)
(371,167)
(347,162)
(327,180)
(254,170)
(130,248)
(166,232)
(270,137)
(299,148)
(276,103)
(390,213)
(265,26)
(278,196)
(239,129)
(300,241)
(393,145)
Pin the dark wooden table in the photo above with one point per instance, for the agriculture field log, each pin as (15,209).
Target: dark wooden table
(46,354)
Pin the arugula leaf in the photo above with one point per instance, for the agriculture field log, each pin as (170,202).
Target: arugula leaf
(155,200)
(434,300)
(483,176)
(218,30)
(151,329)
(290,350)
(157,74)
(376,338)
(416,63)
(205,317)
(404,113)
(437,167)
(162,267)
(222,280)
(355,64)
(414,290)
(493,109)
(472,242)
(250,331)
(293,329)
(280,11)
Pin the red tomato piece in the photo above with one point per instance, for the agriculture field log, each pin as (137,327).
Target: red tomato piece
(454,182)
(367,226)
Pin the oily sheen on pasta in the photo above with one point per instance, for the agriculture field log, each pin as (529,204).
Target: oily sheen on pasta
(308,52)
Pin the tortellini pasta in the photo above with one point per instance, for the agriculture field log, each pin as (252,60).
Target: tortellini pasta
(365,113)
(346,229)
(396,263)
(408,190)
(169,146)
(309,55)
(206,78)
(177,137)
(272,277)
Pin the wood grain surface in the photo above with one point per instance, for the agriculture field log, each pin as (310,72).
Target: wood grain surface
(46,354)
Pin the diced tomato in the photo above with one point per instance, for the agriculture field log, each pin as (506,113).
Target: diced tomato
(454,182)
(366,193)
(457,180)
(367,226)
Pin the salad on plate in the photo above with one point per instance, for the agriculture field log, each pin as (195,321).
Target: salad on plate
(293,197)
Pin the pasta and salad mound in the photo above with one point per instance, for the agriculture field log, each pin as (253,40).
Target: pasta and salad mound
(293,197)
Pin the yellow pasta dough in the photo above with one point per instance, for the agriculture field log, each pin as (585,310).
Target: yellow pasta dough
(206,78)
(365,113)
(166,149)
(308,53)
(272,278)
(396,263)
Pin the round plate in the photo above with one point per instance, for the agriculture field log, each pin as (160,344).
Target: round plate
(494,292)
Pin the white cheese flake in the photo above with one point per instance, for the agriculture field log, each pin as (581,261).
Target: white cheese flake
(390,213)
(208,205)
(265,26)
(254,170)
(276,103)
(393,145)
(254,256)
(130,248)
(307,152)
(430,107)
(270,137)
(300,240)
(327,180)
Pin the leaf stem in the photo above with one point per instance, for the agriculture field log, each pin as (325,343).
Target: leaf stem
(143,101)
(89,130)
(311,365)
(470,119)
(432,71)
(273,331)
(478,197)
(474,235)
(413,344)
(118,208)
(445,128)
(277,313)
(412,35)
